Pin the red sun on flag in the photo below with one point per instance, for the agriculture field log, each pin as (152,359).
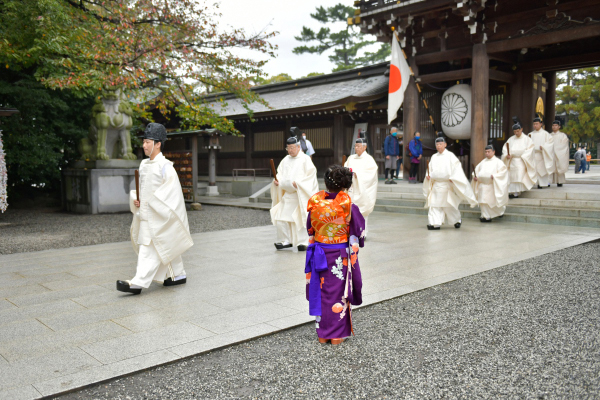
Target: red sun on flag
(395,79)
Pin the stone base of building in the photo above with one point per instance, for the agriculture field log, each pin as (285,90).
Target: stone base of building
(97,190)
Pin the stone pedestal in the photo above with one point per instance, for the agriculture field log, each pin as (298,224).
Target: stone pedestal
(212,190)
(246,188)
(98,190)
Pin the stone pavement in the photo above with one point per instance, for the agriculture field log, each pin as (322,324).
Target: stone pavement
(63,325)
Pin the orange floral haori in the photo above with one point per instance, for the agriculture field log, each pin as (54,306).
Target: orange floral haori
(330,218)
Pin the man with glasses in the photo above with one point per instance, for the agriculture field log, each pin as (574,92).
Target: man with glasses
(295,183)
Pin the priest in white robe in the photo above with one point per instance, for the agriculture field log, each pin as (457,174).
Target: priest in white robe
(295,183)
(364,181)
(490,185)
(518,156)
(445,188)
(544,153)
(160,232)
(561,154)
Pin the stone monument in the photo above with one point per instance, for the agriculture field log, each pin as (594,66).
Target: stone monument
(100,182)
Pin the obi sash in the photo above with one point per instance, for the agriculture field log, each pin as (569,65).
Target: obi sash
(316,261)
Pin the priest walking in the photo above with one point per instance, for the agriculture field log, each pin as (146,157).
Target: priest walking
(490,185)
(561,154)
(295,183)
(445,188)
(544,153)
(159,232)
(517,155)
(364,182)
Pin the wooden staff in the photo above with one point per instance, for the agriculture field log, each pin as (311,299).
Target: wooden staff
(474,173)
(508,151)
(343,160)
(137,185)
(273,170)
(428,168)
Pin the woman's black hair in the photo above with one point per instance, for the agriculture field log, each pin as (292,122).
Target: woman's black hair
(338,178)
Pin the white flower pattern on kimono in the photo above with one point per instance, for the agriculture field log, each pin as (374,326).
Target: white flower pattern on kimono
(343,313)
(338,268)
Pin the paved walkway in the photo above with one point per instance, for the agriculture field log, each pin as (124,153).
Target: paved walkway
(63,324)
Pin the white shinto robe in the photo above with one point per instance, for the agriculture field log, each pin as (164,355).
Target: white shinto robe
(160,232)
(561,156)
(364,183)
(544,157)
(446,189)
(521,165)
(289,205)
(492,194)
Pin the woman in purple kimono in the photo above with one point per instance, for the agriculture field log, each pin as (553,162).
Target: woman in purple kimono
(336,230)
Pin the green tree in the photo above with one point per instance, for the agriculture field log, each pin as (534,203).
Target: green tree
(42,138)
(579,96)
(346,43)
(170,48)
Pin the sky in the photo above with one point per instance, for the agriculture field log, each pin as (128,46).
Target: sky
(287,17)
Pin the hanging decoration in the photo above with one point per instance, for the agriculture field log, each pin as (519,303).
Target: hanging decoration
(3,178)
(456,112)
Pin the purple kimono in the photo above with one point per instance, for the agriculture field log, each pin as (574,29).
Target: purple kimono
(332,288)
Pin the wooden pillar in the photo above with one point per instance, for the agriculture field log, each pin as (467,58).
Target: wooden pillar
(515,106)
(410,116)
(213,147)
(529,99)
(550,106)
(480,103)
(248,144)
(338,138)
(194,167)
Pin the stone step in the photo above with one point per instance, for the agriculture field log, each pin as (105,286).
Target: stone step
(513,217)
(533,202)
(511,208)
(559,195)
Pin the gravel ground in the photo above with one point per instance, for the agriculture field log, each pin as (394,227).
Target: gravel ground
(529,330)
(47,228)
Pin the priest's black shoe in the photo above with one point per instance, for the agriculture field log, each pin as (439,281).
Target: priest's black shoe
(512,196)
(457,225)
(539,187)
(432,228)
(559,185)
(123,286)
(171,282)
(485,220)
(302,247)
(280,246)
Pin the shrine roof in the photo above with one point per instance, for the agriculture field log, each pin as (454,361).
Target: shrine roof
(314,93)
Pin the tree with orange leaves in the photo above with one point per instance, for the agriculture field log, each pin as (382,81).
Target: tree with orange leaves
(164,51)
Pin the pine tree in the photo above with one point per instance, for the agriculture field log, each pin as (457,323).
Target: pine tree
(346,43)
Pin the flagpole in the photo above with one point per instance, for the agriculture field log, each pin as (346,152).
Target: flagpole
(418,86)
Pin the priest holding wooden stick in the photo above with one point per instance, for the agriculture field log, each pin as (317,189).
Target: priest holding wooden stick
(490,185)
(294,184)
(518,156)
(445,188)
(159,232)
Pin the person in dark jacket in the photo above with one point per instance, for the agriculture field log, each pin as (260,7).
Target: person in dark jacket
(391,149)
(415,149)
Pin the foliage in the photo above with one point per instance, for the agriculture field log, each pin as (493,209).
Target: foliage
(313,74)
(278,78)
(579,97)
(42,138)
(346,43)
(171,51)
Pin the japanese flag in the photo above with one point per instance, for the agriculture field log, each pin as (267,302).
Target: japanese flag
(399,77)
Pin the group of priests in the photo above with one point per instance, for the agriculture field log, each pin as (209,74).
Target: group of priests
(539,158)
